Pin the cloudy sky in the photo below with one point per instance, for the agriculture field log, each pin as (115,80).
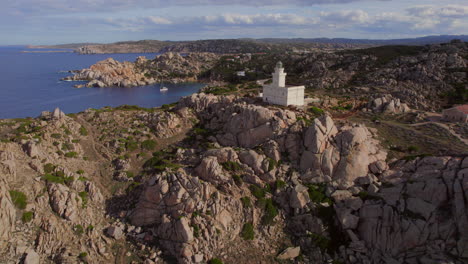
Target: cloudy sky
(67,21)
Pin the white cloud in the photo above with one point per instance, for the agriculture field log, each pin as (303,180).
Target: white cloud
(346,16)
(449,11)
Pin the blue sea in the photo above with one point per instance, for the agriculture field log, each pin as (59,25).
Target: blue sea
(30,83)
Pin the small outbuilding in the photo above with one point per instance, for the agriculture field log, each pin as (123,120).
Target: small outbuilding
(456,114)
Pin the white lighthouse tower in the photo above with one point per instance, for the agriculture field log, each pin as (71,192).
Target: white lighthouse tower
(278,93)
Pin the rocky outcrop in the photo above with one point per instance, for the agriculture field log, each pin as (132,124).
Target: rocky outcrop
(110,72)
(418,215)
(170,67)
(171,202)
(321,149)
(64,202)
(387,104)
(7,214)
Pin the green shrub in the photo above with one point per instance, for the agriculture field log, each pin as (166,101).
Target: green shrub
(80,171)
(272,164)
(82,255)
(19,199)
(58,177)
(316,110)
(129,174)
(75,141)
(71,154)
(237,179)
(248,232)
(317,193)
(83,131)
(67,146)
(27,217)
(66,131)
(90,228)
(79,230)
(215,261)
(148,144)
(131,145)
(56,135)
(279,184)
(231,166)
(84,198)
(196,230)
(270,212)
(246,203)
(49,167)
(257,191)
(413,148)
(320,241)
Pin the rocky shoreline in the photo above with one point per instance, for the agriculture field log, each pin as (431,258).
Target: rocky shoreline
(168,67)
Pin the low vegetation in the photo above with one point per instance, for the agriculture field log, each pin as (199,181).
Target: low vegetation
(248,232)
(19,199)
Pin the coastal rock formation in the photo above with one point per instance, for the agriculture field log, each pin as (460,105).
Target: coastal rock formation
(110,72)
(170,67)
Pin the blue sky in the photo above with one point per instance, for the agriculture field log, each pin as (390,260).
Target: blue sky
(105,21)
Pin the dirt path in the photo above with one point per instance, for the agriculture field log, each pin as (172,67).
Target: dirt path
(90,143)
(465,141)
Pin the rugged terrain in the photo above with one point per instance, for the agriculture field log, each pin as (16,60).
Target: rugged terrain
(226,178)
(420,77)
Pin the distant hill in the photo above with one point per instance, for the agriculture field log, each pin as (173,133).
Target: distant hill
(60,46)
(406,41)
(247,45)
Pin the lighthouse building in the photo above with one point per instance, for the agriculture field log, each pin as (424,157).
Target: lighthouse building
(279,93)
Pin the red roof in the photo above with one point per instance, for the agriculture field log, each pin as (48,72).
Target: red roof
(462,108)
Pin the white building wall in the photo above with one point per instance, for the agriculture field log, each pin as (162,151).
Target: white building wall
(274,95)
(295,95)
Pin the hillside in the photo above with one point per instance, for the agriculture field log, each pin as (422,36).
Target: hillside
(250,45)
(222,178)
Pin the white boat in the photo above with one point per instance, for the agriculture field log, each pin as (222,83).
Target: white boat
(164,89)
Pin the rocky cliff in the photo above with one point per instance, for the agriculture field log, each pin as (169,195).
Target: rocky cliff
(222,177)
